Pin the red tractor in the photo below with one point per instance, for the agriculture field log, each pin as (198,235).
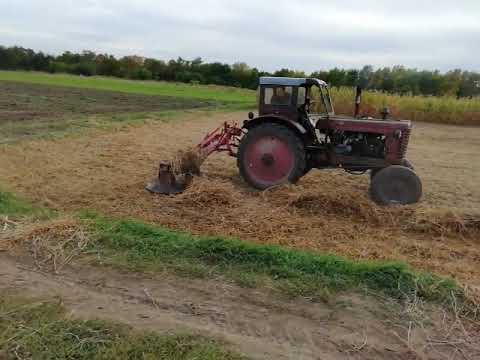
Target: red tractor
(287,139)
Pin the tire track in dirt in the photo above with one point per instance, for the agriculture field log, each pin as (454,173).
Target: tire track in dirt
(256,322)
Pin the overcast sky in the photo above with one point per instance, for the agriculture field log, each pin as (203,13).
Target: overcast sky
(268,34)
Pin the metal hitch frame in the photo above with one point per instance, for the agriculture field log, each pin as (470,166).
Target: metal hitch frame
(223,139)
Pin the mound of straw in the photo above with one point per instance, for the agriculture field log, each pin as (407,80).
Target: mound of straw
(444,222)
(52,244)
(188,161)
(7,225)
(205,193)
(317,203)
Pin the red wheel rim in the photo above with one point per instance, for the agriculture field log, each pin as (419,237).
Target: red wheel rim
(269,161)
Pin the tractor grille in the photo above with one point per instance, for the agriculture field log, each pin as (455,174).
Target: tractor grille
(404,143)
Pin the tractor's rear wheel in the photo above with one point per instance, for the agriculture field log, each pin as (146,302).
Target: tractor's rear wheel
(396,185)
(269,155)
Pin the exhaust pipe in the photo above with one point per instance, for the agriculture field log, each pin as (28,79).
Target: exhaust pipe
(358,101)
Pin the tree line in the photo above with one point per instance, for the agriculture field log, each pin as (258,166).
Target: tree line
(398,79)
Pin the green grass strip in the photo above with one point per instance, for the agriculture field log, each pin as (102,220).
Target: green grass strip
(40,330)
(142,245)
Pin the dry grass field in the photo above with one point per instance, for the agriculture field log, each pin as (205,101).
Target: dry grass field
(327,211)
(438,110)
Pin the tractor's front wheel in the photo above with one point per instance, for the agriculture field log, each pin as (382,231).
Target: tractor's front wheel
(405,162)
(269,155)
(396,185)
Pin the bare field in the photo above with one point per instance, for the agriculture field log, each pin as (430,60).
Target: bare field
(328,211)
(30,110)
(19,101)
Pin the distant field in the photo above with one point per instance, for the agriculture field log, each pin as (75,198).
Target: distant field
(222,95)
(32,110)
(22,101)
(444,110)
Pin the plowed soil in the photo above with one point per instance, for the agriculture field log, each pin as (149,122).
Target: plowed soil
(23,102)
(327,211)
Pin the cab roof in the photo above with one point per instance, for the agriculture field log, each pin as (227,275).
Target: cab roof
(286,81)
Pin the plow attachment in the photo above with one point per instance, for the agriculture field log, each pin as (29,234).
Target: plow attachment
(166,183)
(175,176)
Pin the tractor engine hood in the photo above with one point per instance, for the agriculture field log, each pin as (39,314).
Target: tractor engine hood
(343,123)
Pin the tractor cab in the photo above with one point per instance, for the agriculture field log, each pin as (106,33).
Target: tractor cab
(292,98)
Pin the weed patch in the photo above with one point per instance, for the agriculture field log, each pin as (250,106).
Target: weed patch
(41,330)
(11,205)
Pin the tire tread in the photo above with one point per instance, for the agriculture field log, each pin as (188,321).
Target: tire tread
(387,173)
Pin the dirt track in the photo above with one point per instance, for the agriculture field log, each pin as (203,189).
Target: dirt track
(328,211)
(255,322)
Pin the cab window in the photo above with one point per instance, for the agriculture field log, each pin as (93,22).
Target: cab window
(320,107)
(302,93)
(281,95)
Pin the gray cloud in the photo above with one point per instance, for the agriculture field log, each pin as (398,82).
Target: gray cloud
(302,34)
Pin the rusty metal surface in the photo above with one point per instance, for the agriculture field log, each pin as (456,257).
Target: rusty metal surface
(223,139)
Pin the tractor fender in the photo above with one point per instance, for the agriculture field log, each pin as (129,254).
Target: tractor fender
(295,126)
